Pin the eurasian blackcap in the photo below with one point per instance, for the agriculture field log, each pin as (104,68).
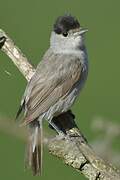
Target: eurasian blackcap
(56,83)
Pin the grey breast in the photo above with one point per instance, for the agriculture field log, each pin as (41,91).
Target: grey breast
(65,103)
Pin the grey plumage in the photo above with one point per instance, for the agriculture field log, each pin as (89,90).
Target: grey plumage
(33,154)
(55,78)
(56,83)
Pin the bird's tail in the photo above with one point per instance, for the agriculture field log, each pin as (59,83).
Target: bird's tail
(34,151)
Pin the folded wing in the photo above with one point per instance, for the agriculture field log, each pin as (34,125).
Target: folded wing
(49,89)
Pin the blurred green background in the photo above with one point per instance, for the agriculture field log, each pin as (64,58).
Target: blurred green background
(29,24)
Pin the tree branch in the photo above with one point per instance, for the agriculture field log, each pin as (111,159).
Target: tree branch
(15,54)
(74,149)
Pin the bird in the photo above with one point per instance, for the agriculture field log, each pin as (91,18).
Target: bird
(55,85)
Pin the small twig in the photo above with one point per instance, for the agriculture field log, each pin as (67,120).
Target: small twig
(74,151)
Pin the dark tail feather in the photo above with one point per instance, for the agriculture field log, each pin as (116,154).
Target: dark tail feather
(20,110)
(18,113)
(33,159)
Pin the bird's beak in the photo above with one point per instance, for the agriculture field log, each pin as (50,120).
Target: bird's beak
(82,31)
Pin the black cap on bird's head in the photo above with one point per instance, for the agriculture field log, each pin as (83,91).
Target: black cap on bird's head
(65,23)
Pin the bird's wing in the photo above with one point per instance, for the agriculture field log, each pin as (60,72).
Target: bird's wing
(40,75)
(56,85)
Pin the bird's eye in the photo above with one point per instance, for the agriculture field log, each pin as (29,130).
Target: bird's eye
(65,34)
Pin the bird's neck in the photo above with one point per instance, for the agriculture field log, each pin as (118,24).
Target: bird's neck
(80,52)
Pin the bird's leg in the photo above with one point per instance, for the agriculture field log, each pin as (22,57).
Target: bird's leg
(57,129)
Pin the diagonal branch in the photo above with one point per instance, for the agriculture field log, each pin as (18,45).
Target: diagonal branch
(73,150)
(15,54)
